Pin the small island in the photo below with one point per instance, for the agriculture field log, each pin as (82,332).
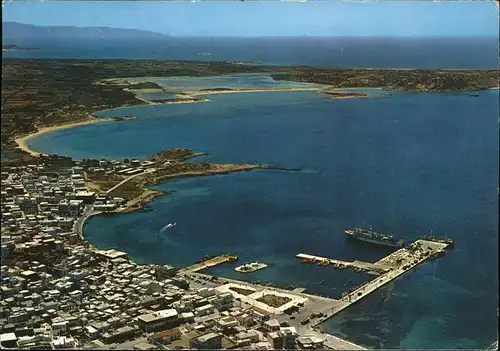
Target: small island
(216,89)
(145,85)
(344,95)
(14,47)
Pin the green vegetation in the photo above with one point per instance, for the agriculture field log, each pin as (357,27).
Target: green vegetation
(397,79)
(274,300)
(344,94)
(145,85)
(14,47)
(217,89)
(241,291)
(179,154)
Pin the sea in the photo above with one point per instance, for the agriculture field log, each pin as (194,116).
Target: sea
(409,163)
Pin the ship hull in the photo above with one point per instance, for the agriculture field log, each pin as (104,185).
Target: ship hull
(375,241)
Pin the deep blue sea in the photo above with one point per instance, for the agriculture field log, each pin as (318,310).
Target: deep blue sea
(410,163)
(371,52)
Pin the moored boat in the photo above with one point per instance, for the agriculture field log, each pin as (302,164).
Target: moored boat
(373,237)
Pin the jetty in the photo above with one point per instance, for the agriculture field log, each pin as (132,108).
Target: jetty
(399,262)
(211,262)
(373,268)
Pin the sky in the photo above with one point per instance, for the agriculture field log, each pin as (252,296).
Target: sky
(254,19)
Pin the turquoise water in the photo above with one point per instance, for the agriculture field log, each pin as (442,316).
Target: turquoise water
(409,163)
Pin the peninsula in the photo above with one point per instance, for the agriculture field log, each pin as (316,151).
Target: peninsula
(129,180)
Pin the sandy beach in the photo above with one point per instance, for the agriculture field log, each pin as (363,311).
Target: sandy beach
(23,140)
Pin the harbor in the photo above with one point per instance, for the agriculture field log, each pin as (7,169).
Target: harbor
(400,262)
(305,311)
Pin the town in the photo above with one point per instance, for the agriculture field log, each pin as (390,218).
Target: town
(58,291)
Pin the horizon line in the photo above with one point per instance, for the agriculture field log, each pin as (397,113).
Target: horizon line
(166,35)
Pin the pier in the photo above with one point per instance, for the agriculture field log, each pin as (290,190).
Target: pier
(389,268)
(399,263)
(214,261)
(374,268)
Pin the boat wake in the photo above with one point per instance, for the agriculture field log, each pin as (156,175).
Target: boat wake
(168,226)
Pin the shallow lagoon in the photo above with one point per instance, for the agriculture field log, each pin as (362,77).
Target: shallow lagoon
(410,164)
(229,81)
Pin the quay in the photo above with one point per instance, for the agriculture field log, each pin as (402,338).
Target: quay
(214,261)
(374,268)
(400,262)
(310,304)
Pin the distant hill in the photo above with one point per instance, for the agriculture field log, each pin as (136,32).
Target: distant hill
(14,31)
(13,47)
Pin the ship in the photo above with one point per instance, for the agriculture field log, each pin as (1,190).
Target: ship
(373,237)
(444,240)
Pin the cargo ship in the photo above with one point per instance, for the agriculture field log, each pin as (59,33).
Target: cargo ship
(372,237)
(444,240)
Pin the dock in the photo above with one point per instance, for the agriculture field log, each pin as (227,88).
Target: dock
(373,268)
(214,261)
(399,262)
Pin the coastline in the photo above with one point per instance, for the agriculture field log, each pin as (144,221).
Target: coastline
(23,141)
(186,96)
(271,90)
(149,194)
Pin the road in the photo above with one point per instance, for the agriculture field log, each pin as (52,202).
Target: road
(150,170)
(79,223)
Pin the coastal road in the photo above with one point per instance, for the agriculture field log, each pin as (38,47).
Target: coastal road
(80,221)
(150,170)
